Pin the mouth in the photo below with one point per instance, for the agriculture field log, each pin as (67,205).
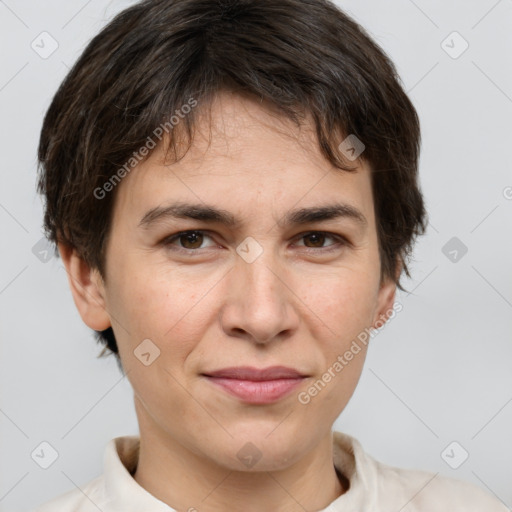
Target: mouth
(256,386)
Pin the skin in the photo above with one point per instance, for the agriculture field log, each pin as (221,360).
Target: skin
(297,305)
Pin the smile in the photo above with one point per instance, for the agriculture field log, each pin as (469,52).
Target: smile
(256,386)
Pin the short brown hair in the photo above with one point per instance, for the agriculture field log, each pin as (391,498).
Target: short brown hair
(301,56)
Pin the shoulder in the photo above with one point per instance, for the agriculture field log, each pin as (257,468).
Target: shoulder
(85,499)
(424,491)
(384,488)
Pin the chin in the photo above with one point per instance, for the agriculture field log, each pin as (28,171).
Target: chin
(256,450)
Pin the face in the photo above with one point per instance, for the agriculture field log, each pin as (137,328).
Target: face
(266,289)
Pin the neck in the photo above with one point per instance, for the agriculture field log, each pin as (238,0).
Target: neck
(186,481)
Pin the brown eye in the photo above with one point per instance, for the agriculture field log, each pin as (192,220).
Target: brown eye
(191,240)
(317,239)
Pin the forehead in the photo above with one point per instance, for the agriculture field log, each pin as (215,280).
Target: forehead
(234,126)
(245,153)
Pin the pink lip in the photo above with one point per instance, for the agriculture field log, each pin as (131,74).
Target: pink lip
(257,386)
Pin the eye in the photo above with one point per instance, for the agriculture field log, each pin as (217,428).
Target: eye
(189,240)
(317,239)
(192,241)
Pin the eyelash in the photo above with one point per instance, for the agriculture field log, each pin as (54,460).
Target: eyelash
(340,241)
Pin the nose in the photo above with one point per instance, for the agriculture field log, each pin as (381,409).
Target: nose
(260,304)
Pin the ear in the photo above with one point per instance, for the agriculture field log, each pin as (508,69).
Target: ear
(87,288)
(385,300)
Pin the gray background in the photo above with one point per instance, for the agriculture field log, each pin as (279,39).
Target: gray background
(439,372)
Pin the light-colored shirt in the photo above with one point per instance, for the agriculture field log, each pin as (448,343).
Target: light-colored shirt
(373,486)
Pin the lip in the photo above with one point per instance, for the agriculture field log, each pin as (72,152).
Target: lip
(256,374)
(256,386)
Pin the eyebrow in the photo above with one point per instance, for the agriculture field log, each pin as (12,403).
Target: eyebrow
(213,214)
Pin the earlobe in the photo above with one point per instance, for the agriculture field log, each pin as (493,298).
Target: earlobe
(87,288)
(386,300)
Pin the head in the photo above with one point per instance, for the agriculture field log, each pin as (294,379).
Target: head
(240,116)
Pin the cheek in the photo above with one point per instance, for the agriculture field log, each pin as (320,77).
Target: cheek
(343,302)
(345,306)
(171,310)
(173,316)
